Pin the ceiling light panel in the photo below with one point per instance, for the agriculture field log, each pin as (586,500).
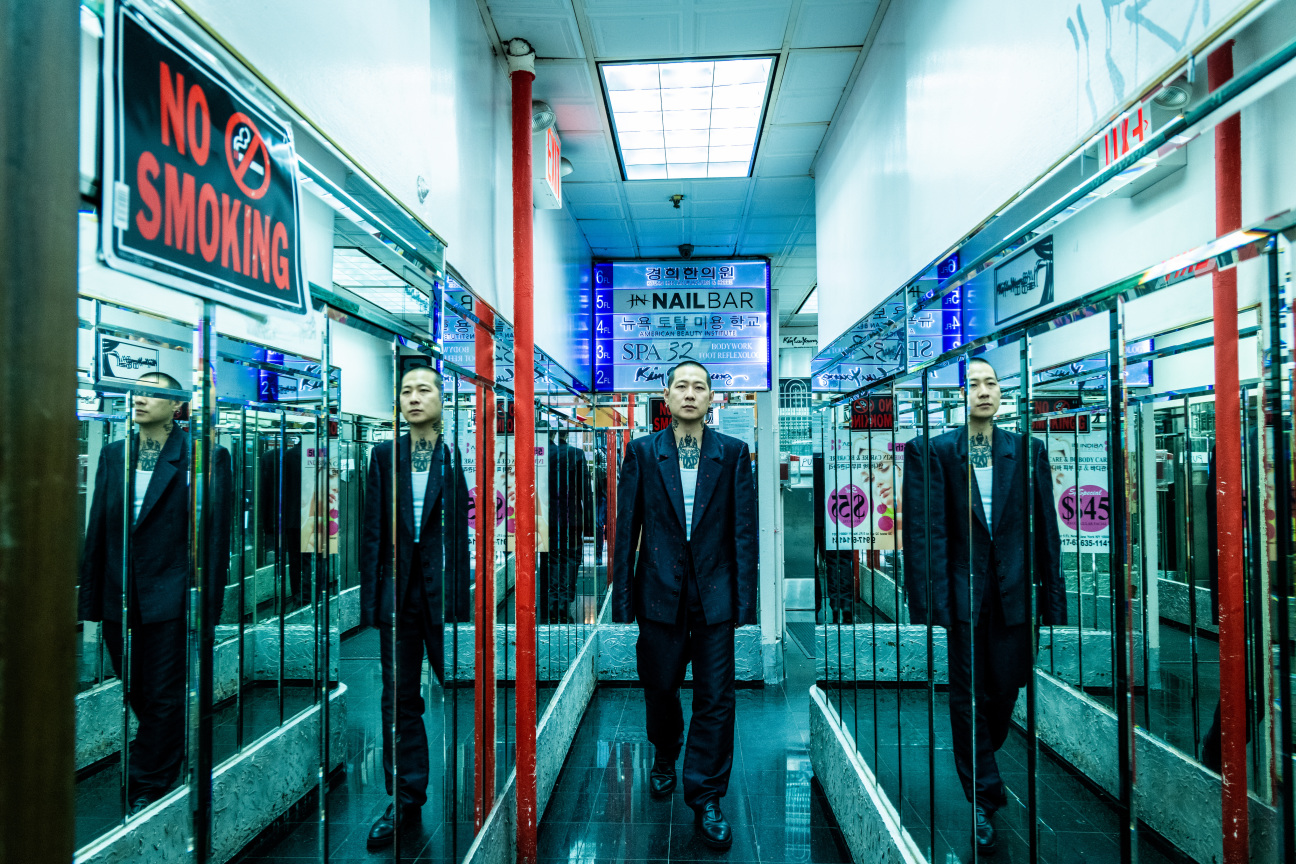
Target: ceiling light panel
(689,119)
(365,277)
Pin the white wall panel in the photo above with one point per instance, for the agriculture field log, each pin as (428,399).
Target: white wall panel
(408,90)
(960,105)
(366,364)
(562,291)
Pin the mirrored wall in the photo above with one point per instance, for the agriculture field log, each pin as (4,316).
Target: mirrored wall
(1053,584)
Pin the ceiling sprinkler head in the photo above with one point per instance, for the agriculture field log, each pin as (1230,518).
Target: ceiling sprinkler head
(676,199)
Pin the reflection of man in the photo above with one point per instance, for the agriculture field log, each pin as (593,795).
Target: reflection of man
(159,581)
(281,513)
(431,541)
(684,566)
(569,517)
(987,610)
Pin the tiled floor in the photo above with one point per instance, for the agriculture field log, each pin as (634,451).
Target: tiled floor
(600,810)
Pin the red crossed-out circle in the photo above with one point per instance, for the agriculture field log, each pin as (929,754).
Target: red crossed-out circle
(239,168)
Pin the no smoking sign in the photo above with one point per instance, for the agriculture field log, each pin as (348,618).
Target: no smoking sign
(246,154)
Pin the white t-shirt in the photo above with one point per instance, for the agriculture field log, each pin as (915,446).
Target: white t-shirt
(688,480)
(985,484)
(420,493)
(142,479)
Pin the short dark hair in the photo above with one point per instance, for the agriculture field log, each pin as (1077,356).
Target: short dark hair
(163,379)
(670,373)
(436,376)
(986,362)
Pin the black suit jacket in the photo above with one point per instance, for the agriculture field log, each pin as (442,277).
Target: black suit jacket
(159,538)
(446,500)
(648,576)
(961,544)
(569,491)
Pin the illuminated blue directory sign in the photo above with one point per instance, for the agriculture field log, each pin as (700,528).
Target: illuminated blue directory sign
(650,315)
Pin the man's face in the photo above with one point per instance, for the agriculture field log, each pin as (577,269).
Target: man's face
(420,398)
(689,394)
(983,391)
(148,410)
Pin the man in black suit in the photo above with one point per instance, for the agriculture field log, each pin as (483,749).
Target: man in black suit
(431,543)
(968,567)
(159,571)
(570,516)
(684,566)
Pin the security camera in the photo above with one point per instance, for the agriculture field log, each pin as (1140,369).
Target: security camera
(686,250)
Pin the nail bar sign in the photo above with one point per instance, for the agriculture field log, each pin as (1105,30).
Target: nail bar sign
(200,181)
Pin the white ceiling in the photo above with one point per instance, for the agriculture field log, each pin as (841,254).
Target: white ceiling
(820,46)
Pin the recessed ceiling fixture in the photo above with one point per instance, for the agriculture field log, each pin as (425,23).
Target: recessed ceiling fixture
(688,119)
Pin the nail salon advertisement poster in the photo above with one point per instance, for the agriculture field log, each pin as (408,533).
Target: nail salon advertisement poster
(862,474)
(314,505)
(1081,493)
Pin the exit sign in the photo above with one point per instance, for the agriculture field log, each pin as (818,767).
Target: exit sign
(546,161)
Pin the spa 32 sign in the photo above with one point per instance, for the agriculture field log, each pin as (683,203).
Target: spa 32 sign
(200,181)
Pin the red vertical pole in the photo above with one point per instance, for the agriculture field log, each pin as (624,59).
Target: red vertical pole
(522,72)
(629,430)
(484,693)
(1228,481)
(609,522)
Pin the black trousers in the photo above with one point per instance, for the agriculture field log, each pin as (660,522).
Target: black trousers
(560,567)
(663,652)
(841,578)
(156,693)
(997,658)
(419,633)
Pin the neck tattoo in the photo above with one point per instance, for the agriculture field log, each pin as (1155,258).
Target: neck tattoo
(149,452)
(422,458)
(690,448)
(979,450)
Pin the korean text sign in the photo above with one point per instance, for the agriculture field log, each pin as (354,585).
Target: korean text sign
(651,315)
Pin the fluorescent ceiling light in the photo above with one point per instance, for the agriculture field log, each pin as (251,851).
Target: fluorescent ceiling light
(354,270)
(687,119)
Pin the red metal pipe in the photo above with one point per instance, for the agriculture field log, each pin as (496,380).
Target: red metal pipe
(484,689)
(524,383)
(610,510)
(1228,481)
(629,430)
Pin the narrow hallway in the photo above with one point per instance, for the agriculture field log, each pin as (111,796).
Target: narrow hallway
(600,810)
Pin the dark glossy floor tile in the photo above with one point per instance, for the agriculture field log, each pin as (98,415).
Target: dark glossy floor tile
(578,841)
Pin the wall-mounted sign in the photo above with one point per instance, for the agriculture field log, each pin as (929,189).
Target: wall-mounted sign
(505,417)
(459,335)
(865,356)
(873,412)
(124,361)
(650,315)
(659,416)
(798,341)
(546,162)
(1024,282)
(1052,405)
(200,181)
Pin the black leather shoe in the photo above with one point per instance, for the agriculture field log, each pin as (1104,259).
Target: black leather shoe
(384,830)
(661,780)
(713,826)
(986,841)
